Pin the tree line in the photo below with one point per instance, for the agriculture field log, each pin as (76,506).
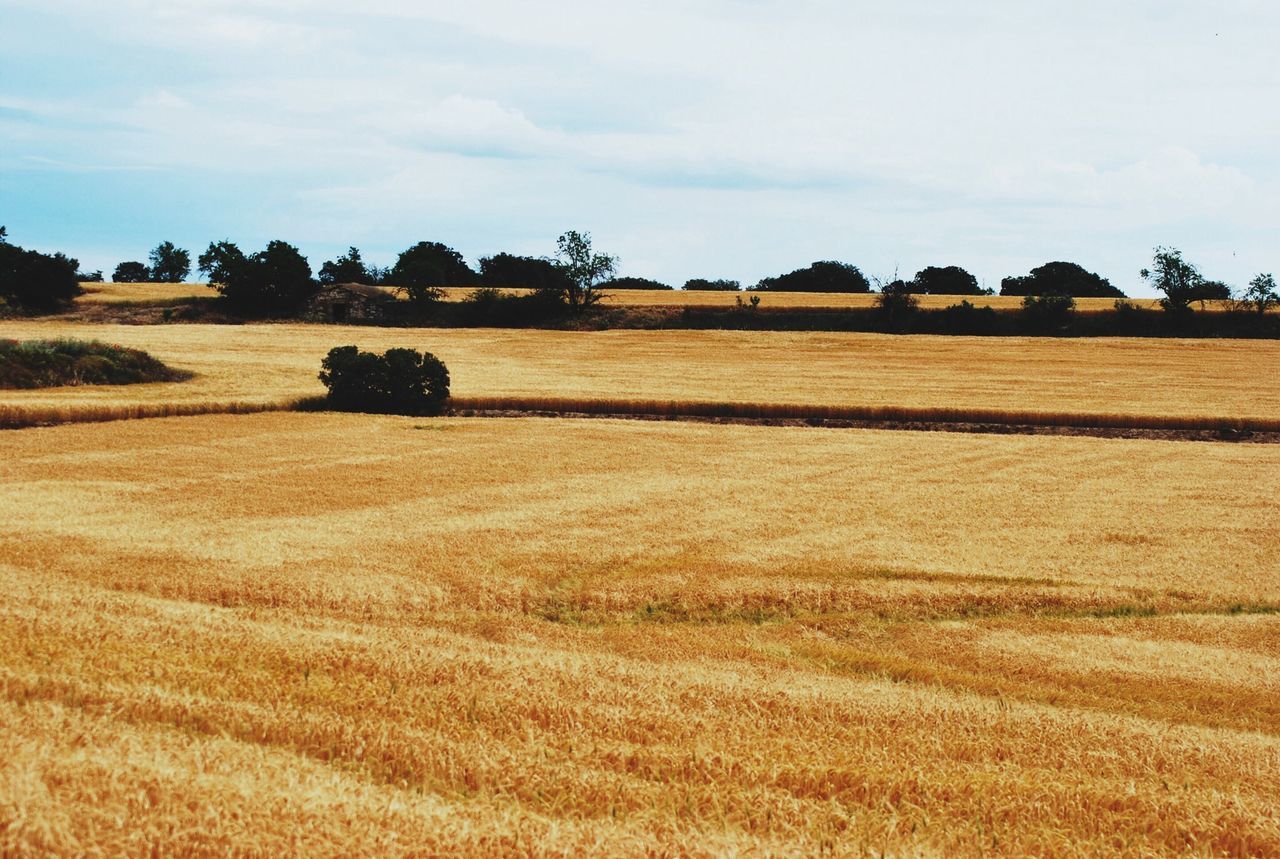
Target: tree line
(278,279)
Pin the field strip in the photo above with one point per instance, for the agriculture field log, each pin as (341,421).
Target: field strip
(834,417)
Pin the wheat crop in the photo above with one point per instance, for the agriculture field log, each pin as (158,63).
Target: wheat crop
(340,634)
(1205,381)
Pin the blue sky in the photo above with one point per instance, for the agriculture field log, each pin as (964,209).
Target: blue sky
(703,138)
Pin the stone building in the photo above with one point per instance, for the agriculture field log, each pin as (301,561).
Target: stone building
(348,302)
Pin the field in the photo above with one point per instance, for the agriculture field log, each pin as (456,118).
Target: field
(109,293)
(330,634)
(265,364)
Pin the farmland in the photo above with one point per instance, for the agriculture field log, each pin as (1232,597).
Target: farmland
(328,633)
(264,364)
(110,293)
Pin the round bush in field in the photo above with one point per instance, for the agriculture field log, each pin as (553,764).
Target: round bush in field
(400,381)
(54,363)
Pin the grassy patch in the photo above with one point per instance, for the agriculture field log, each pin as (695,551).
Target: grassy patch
(59,363)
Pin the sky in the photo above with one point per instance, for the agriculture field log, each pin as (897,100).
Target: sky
(692,138)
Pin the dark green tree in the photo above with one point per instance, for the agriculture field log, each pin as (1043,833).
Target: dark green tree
(1179,280)
(422,271)
(34,281)
(222,262)
(507,271)
(823,276)
(401,381)
(131,272)
(584,269)
(169,264)
(701,283)
(273,281)
(1261,294)
(1060,278)
(348,268)
(951,280)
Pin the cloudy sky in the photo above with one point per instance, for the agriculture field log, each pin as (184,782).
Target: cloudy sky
(693,138)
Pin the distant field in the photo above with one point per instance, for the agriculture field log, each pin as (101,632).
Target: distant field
(259,364)
(353,635)
(118,292)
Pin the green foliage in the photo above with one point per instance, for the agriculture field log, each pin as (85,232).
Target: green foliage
(423,269)
(131,272)
(951,280)
(36,282)
(400,381)
(635,283)
(54,363)
(896,301)
(169,264)
(584,268)
(823,276)
(1261,294)
(701,284)
(1061,278)
(1048,314)
(89,276)
(273,281)
(348,268)
(516,272)
(1179,280)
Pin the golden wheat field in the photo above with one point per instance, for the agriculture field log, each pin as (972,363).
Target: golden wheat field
(264,364)
(358,635)
(110,293)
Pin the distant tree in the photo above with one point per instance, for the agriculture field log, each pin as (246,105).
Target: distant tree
(401,381)
(423,269)
(1212,290)
(516,272)
(824,276)
(1179,280)
(348,268)
(896,300)
(634,283)
(34,281)
(89,276)
(131,272)
(169,264)
(951,280)
(583,267)
(1261,294)
(272,281)
(222,262)
(1060,278)
(699,284)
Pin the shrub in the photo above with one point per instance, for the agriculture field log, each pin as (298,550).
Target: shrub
(54,363)
(1046,314)
(401,381)
(895,300)
(966,318)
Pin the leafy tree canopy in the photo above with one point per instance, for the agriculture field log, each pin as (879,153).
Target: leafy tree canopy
(36,281)
(169,264)
(701,283)
(517,272)
(634,283)
(423,269)
(131,272)
(1179,280)
(348,268)
(824,276)
(1060,278)
(271,281)
(951,280)
(584,268)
